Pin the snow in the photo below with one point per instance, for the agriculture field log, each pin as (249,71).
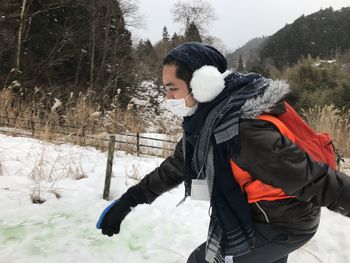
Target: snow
(63,229)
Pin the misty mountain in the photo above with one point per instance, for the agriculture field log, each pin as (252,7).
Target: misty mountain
(249,52)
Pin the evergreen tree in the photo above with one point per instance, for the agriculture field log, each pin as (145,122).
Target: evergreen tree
(315,82)
(84,43)
(113,62)
(165,34)
(192,33)
(145,48)
(147,59)
(176,40)
(10,13)
(240,67)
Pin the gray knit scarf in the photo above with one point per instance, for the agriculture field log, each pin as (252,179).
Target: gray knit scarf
(208,141)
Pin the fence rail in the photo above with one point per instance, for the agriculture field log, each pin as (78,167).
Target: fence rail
(136,143)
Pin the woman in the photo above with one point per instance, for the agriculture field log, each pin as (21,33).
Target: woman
(265,192)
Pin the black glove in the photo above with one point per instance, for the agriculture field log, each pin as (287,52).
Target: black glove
(113,215)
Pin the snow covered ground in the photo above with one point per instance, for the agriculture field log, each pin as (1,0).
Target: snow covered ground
(63,229)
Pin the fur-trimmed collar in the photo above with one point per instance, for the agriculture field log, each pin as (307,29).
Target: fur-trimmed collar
(265,103)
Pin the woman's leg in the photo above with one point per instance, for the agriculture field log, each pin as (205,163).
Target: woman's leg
(272,245)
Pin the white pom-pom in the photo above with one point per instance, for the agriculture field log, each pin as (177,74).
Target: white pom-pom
(207,82)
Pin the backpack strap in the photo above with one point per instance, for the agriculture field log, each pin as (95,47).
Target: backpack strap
(283,129)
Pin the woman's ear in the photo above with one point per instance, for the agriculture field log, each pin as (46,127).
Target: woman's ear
(207,82)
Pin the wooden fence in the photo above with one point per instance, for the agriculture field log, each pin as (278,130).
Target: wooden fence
(136,143)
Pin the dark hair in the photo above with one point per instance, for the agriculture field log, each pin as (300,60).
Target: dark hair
(182,71)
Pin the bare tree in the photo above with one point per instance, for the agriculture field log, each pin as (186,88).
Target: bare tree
(25,21)
(106,39)
(93,43)
(217,43)
(20,31)
(199,12)
(130,9)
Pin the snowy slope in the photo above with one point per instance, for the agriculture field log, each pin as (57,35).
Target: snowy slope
(63,230)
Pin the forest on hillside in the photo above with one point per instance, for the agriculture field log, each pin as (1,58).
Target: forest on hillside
(65,57)
(324,34)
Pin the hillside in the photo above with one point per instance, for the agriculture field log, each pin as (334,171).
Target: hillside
(322,34)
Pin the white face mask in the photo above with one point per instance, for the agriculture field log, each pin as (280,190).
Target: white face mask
(179,108)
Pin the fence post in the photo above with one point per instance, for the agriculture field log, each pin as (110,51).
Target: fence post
(109,167)
(32,123)
(138,143)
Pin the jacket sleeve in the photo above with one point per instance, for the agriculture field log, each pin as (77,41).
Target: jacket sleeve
(167,176)
(273,159)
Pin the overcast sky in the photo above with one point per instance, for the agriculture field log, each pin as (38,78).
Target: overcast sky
(237,21)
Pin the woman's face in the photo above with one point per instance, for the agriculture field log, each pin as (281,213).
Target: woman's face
(176,88)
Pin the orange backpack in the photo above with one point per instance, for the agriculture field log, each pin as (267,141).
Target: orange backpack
(318,145)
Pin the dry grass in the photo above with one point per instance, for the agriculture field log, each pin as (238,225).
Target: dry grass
(82,122)
(37,176)
(48,170)
(333,121)
(78,120)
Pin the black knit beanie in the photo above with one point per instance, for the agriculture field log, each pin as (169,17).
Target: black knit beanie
(194,55)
